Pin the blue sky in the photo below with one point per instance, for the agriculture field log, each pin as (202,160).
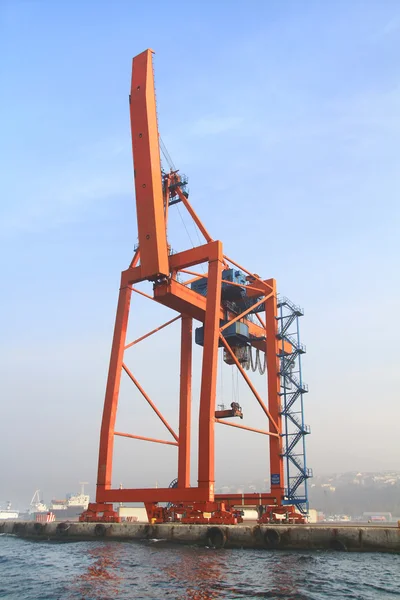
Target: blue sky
(285,116)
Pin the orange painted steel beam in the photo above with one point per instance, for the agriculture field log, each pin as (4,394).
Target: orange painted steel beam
(132,275)
(247,428)
(265,285)
(146,158)
(185,402)
(179,297)
(143,337)
(112,392)
(260,344)
(145,439)
(243,314)
(261,321)
(194,216)
(246,499)
(247,380)
(153,495)
(274,387)
(188,281)
(172,293)
(208,391)
(198,275)
(146,397)
(135,259)
(247,287)
(204,275)
(227,414)
(193,256)
(257,288)
(142,293)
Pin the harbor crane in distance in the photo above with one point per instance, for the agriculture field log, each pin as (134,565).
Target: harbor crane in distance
(239,312)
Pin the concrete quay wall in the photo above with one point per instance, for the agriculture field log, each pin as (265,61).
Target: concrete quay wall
(283,537)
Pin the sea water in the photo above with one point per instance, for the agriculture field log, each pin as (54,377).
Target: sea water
(32,570)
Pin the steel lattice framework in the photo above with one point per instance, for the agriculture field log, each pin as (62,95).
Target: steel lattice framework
(292,390)
(237,310)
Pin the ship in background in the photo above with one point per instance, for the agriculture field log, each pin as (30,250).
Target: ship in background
(37,505)
(68,509)
(8,512)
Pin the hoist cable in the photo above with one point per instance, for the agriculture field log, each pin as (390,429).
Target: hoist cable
(166,154)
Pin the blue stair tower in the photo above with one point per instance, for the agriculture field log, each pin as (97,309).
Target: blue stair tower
(292,390)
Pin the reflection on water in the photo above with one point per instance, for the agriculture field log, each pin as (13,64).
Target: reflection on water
(218,574)
(116,570)
(197,575)
(129,570)
(102,576)
(158,570)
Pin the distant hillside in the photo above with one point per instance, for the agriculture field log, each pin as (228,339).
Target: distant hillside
(343,493)
(354,493)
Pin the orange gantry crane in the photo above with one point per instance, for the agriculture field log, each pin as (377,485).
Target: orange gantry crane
(237,310)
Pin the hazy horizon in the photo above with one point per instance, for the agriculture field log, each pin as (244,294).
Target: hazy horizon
(286,120)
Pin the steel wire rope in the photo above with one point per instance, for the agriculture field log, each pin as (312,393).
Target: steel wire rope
(234,387)
(261,368)
(247,358)
(172,167)
(184,224)
(166,154)
(221,381)
(237,386)
(253,364)
(238,380)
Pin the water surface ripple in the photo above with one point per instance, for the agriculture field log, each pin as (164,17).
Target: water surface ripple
(107,570)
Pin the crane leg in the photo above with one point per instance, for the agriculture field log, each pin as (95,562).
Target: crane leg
(110,412)
(209,376)
(185,403)
(274,386)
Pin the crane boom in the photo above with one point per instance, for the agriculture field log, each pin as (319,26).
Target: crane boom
(146,160)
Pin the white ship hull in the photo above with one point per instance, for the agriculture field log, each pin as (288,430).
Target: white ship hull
(8,514)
